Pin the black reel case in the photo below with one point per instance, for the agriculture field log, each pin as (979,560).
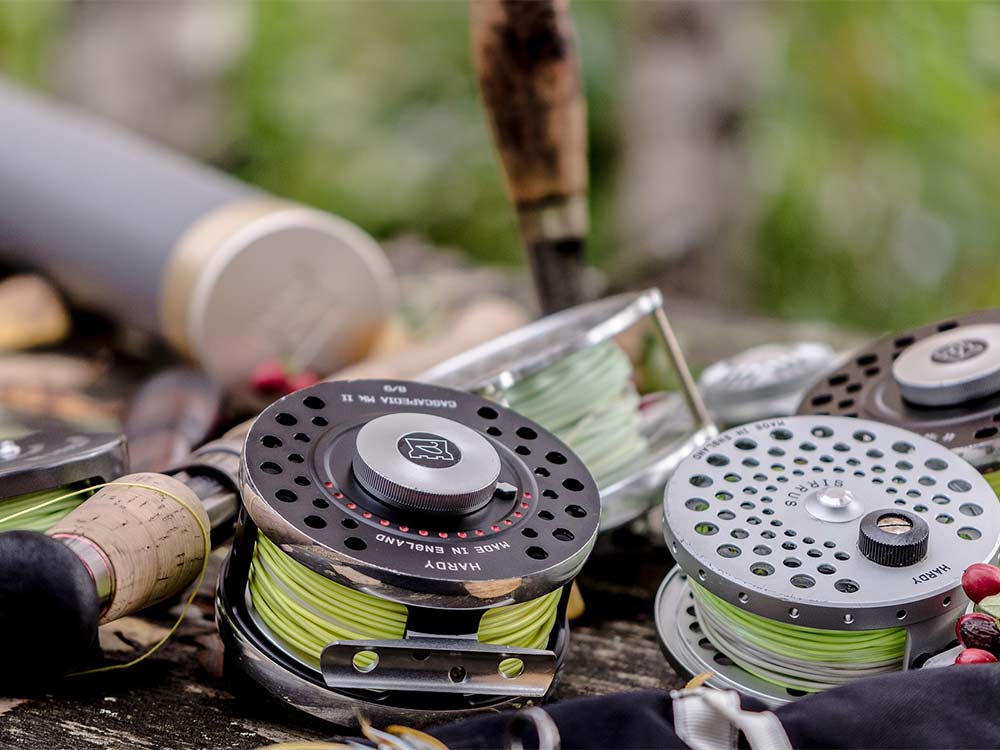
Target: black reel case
(430,497)
(941,381)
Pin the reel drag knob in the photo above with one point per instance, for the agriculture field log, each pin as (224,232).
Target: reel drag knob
(424,463)
(952,367)
(894,538)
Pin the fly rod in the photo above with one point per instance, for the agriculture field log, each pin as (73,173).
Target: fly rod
(529,76)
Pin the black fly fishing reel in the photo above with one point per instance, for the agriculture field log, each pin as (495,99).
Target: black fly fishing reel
(816,550)
(403,549)
(941,381)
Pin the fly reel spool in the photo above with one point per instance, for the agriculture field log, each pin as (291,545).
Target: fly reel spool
(941,381)
(51,464)
(762,382)
(815,550)
(567,372)
(403,548)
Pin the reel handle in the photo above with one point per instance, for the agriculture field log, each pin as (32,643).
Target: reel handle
(140,545)
(529,78)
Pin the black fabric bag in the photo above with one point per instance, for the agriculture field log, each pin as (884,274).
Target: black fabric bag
(950,707)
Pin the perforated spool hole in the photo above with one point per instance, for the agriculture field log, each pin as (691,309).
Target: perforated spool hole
(365,661)
(761,569)
(314,402)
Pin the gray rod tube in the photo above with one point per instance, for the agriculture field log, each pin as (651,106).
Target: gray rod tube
(95,207)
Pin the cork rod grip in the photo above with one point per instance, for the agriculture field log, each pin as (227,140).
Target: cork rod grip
(529,79)
(154,545)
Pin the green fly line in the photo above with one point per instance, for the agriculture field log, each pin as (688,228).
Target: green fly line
(39,511)
(795,657)
(589,401)
(306,611)
(46,500)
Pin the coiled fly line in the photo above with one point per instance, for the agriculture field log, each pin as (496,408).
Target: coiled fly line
(588,400)
(39,511)
(793,657)
(306,611)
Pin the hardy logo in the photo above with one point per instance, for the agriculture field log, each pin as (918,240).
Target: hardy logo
(433,449)
(428,449)
(959,351)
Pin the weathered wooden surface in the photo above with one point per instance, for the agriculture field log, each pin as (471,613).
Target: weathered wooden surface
(176,700)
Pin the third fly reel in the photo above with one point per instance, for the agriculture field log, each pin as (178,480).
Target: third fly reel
(941,381)
(815,550)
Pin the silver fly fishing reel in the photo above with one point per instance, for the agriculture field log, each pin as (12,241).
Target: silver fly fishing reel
(428,528)
(941,381)
(762,382)
(568,372)
(814,550)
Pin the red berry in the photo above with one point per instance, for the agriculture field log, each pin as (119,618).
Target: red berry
(302,380)
(981,580)
(975,656)
(269,377)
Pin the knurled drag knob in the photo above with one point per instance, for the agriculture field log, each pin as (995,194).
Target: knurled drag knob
(894,538)
(424,463)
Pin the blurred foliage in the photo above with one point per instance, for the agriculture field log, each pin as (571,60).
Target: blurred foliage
(873,139)
(875,156)
(26,31)
(372,110)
